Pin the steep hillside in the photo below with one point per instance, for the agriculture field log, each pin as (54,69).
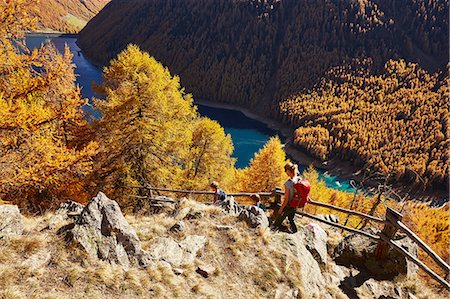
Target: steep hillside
(189,250)
(258,54)
(66,15)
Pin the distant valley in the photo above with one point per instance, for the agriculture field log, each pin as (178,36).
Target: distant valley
(358,81)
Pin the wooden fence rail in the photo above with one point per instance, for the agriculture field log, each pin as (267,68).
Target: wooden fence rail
(416,261)
(351,212)
(392,223)
(424,246)
(354,230)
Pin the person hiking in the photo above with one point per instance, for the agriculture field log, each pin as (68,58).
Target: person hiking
(257,200)
(219,194)
(291,202)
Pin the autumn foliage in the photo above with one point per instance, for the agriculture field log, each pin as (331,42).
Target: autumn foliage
(295,61)
(41,160)
(266,169)
(150,132)
(394,122)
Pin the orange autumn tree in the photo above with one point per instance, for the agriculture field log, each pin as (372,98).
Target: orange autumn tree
(41,161)
(266,169)
(150,131)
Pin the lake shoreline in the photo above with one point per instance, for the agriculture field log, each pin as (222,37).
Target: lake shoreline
(51,34)
(285,131)
(335,167)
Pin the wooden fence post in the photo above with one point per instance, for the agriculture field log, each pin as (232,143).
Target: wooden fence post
(388,231)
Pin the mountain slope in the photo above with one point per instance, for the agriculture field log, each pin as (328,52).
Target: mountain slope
(66,15)
(260,54)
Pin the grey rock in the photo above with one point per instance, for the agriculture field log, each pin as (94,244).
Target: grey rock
(372,288)
(310,274)
(315,239)
(104,233)
(61,214)
(177,253)
(178,227)
(37,260)
(254,217)
(224,227)
(11,221)
(358,251)
(283,291)
(205,270)
(230,206)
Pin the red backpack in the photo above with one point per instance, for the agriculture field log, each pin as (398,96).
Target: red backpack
(301,192)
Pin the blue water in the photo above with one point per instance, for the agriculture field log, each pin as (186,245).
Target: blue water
(248,135)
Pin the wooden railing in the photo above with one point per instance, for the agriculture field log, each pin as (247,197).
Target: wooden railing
(392,224)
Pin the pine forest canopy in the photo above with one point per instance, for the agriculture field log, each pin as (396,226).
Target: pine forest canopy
(354,77)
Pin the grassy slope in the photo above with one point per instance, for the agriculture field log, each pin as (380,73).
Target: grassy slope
(249,264)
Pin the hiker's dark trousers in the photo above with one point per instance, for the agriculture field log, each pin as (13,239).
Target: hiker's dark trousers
(288,212)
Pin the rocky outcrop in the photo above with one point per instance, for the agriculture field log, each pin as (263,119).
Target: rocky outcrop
(104,233)
(310,273)
(358,251)
(315,239)
(177,227)
(62,213)
(177,253)
(230,206)
(254,217)
(11,221)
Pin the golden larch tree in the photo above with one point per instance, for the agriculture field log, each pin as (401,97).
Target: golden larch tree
(41,161)
(266,169)
(210,156)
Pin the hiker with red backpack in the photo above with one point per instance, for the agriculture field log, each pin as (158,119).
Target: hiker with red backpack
(296,195)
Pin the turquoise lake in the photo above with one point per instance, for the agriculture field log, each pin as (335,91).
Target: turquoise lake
(248,135)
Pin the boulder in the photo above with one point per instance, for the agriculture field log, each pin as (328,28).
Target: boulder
(315,239)
(61,214)
(283,291)
(372,288)
(37,260)
(205,270)
(11,221)
(230,206)
(104,233)
(358,251)
(177,253)
(310,274)
(177,227)
(254,217)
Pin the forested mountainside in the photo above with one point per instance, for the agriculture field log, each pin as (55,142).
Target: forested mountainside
(373,70)
(66,15)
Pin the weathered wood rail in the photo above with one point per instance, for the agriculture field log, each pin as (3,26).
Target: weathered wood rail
(392,224)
